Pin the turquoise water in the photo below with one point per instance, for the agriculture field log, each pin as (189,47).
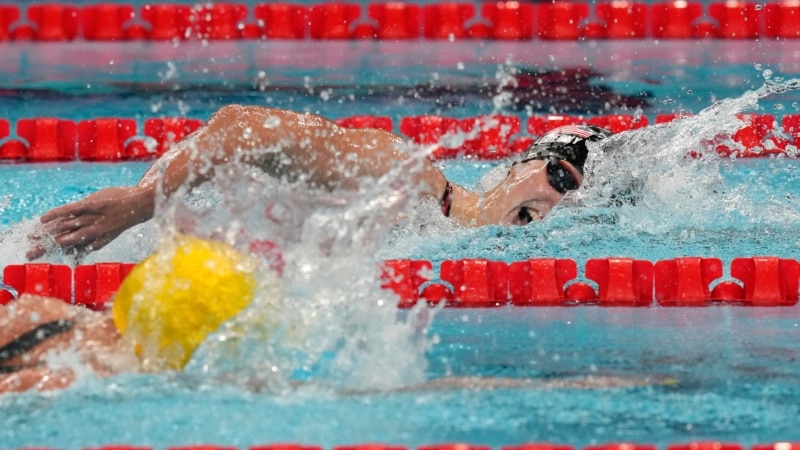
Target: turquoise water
(736,368)
(717,373)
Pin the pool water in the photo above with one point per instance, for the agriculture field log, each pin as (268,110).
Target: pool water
(716,373)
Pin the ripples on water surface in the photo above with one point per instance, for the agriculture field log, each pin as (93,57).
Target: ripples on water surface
(698,373)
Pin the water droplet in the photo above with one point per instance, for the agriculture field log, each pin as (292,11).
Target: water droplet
(272,122)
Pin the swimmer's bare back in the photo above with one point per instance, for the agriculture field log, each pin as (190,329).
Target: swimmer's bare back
(32,328)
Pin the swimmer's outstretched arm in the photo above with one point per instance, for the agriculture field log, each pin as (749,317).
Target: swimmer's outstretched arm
(285,144)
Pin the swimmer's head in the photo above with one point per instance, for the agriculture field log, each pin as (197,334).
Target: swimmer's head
(174,299)
(567,143)
(551,167)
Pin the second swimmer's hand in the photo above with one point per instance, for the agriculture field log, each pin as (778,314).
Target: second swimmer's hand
(91,223)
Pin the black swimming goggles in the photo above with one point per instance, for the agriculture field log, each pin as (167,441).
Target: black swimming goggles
(559,176)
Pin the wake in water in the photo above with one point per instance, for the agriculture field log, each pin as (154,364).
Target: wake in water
(334,325)
(644,198)
(647,172)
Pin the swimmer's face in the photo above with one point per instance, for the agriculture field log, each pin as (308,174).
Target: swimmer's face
(526,195)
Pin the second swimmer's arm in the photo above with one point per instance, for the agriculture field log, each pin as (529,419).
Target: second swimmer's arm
(282,143)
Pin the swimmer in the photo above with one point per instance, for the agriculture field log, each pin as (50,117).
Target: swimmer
(165,309)
(33,328)
(296,146)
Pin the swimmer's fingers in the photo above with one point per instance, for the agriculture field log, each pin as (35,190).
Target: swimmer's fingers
(85,239)
(71,210)
(36,252)
(42,242)
(72,236)
(93,222)
(50,234)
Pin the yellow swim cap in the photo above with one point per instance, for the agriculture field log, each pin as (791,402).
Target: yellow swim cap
(172,300)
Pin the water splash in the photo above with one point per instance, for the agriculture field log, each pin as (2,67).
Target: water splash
(334,325)
(644,198)
(647,175)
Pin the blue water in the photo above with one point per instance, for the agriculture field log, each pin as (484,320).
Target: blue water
(740,235)
(718,373)
(736,372)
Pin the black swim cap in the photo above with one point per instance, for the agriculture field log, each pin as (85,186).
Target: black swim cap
(567,143)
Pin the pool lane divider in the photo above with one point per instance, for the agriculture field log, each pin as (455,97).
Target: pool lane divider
(481,283)
(503,20)
(489,137)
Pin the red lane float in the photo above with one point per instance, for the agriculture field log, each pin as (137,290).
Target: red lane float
(483,137)
(10,149)
(539,125)
(447,20)
(736,19)
(489,137)
(378,122)
(685,281)
(8,15)
(562,19)
(619,122)
(104,139)
(396,21)
(333,20)
(430,131)
(167,21)
(537,446)
(282,20)
(287,446)
(676,19)
(782,19)
(370,446)
(475,282)
(508,20)
(620,446)
(47,139)
(621,20)
(105,21)
(201,447)
(405,277)
(96,284)
(777,446)
(790,125)
(768,281)
(622,281)
(48,22)
(165,132)
(51,280)
(220,21)
(454,446)
(540,282)
(706,445)
(756,138)
(504,20)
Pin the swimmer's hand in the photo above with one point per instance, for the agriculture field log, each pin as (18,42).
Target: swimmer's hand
(91,223)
